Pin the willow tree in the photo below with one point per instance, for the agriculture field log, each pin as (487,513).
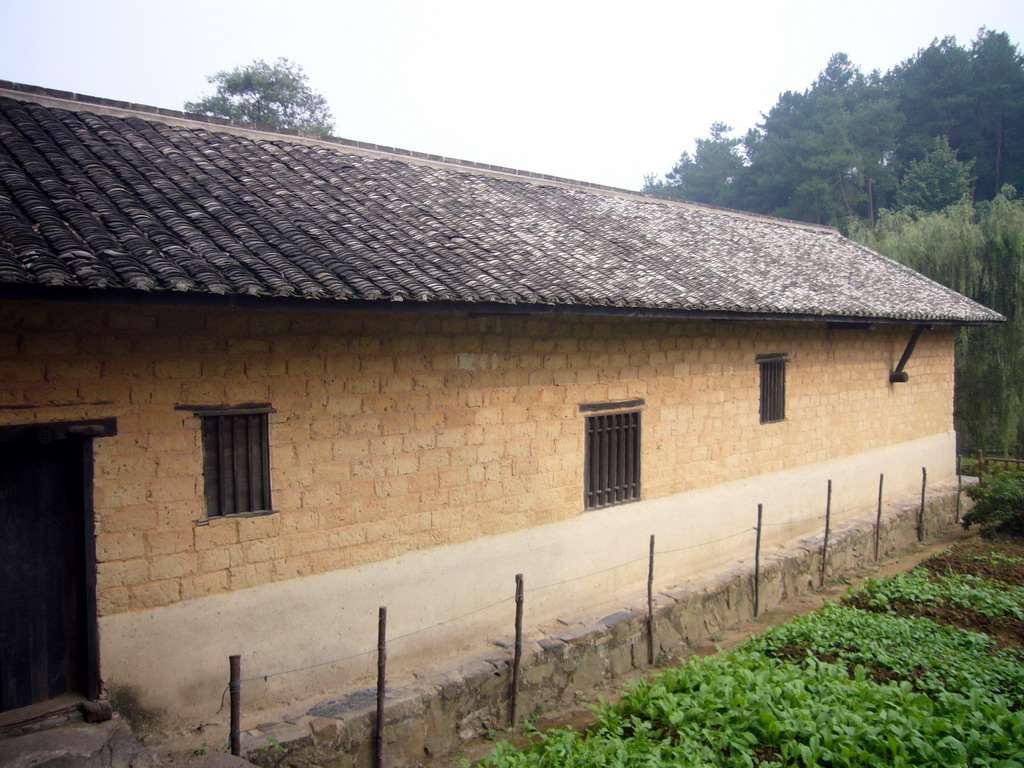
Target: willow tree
(979,251)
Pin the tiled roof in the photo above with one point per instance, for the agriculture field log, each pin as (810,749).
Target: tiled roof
(100,198)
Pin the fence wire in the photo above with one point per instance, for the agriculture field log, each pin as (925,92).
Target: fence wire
(421,630)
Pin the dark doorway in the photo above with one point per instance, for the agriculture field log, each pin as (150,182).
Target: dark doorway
(47,564)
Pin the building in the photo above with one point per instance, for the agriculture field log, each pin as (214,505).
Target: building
(256,385)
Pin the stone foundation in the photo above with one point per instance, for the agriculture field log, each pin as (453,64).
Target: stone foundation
(433,715)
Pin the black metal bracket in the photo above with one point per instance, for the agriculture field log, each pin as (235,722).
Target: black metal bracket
(899,376)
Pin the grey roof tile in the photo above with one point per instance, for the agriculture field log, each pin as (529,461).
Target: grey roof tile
(101,200)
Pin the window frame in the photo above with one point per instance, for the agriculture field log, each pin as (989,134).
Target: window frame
(236,460)
(772,387)
(612,450)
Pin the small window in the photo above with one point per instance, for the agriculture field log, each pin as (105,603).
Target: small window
(773,387)
(612,459)
(236,461)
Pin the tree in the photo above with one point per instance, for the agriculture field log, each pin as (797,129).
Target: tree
(708,176)
(977,250)
(268,95)
(822,155)
(836,151)
(997,72)
(936,181)
(933,90)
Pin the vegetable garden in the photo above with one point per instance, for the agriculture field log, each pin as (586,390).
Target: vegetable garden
(918,669)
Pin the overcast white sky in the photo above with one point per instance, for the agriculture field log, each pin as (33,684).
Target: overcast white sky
(594,90)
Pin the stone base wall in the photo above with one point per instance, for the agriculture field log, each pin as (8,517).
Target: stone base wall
(434,716)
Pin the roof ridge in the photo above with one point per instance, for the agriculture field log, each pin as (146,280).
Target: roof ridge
(112,106)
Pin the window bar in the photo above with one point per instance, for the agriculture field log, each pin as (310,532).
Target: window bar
(775,391)
(609,459)
(591,464)
(224,449)
(782,391)
(613,429)
(622,481)
(635,456)
(606,449)
(240,446)
(255,455)
(634,474)
(265,461)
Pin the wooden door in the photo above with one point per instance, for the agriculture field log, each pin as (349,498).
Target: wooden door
(44,610)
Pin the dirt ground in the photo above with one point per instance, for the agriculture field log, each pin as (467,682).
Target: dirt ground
(579,715)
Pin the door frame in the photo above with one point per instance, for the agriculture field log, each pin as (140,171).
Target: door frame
(84,430)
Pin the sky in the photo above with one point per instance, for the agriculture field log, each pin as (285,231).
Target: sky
(598,91)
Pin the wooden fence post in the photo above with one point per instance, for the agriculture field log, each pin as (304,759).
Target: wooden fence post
(824,545)
(235,688)
(878,514)
(382,659)
(650,603)
(757,564)
(959,490)
(517,656)
(920,512)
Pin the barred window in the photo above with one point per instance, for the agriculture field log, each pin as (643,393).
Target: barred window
(612,459)
(236,460)
(773,387)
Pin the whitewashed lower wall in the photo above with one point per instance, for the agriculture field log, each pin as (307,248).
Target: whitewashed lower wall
(175,657)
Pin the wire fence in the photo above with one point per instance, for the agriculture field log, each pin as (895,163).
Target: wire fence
(234,686)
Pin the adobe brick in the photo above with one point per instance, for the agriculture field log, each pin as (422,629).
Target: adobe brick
(204,584)
(155,594)
(218,533)
(178,368)
(172,566)
(169,542)
(127,519)
(260,527)
(111,600)
(122,573)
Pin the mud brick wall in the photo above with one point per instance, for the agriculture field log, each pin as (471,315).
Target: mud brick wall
(395,432)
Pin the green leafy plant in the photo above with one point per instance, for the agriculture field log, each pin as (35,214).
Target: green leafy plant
(745,709)
(272,745)
(985,596)
(840,687)
(934,659)
(998,504)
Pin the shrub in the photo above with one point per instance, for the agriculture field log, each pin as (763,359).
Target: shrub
(998,504)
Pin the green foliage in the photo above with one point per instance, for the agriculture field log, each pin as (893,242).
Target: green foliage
(997,91)
(990,598)
(821,155)
(744,709)
(935,658)
(977,250)
(267,95)
(709,175)
(839,687)
(852,144)
(998,503)
(936,181)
